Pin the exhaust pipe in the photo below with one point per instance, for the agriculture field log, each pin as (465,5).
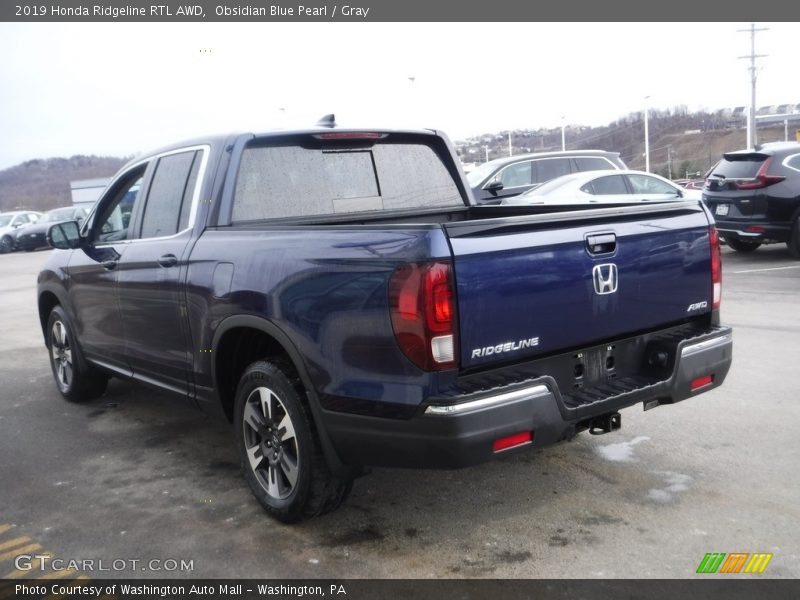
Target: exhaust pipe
(605,423)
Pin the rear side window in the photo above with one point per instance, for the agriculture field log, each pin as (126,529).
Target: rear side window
(744,167)
(592,163)
(550,168)
(643,184)
(293,181)
(170,197)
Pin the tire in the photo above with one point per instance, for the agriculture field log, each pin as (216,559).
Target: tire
(794,239)
(278,446)
(741,245)
(6,244)
(75,379)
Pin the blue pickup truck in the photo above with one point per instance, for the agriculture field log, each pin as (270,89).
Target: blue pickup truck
(339,298)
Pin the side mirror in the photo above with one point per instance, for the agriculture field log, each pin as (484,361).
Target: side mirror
(494,186)
(64,236)
(16,226)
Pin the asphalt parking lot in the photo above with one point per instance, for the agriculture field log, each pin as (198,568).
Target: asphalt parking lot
(135,475)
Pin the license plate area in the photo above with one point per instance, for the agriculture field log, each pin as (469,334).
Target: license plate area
(722,210)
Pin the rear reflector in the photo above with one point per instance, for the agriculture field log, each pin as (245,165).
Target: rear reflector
(702,382)
(512,441)
(756,229)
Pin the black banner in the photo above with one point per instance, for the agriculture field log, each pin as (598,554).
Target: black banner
(389,11)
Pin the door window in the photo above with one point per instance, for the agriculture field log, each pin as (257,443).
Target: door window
(516,175)
(550,168)
(170,197)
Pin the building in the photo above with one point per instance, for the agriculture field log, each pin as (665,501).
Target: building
(85,192)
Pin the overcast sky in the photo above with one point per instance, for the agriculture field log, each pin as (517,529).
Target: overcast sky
(122,88)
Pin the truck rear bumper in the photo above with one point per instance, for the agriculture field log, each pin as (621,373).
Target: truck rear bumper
(465,430)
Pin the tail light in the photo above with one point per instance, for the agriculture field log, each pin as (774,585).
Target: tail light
(761,180)
(422,306)
(716,267)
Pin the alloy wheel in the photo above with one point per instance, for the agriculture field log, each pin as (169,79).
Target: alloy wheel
(61,353)
(270,441)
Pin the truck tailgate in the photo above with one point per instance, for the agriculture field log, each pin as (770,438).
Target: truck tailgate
(532,285)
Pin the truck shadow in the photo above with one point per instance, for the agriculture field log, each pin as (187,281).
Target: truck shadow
(169,465)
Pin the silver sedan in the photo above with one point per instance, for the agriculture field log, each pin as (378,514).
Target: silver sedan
(605,187)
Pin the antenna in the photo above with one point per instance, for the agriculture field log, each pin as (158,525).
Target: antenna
(327,121)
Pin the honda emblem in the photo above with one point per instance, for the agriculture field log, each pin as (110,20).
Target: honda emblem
(605,279)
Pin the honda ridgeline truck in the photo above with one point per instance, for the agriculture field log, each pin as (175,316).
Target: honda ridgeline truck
(339,298)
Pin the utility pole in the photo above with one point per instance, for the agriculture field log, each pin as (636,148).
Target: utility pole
(752,137)
(509,144)
(563,135)
(646,137)
(669,160)
(486,149)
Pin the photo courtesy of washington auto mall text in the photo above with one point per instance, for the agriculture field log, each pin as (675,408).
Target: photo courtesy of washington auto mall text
(87,590)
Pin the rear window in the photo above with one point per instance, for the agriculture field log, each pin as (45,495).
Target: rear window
(293,181)
(744,167)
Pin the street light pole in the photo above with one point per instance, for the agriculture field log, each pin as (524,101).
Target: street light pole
(510,152)
(646,137)
(752,138)
(563,135)
(486,149)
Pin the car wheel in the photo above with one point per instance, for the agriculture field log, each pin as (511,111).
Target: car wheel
(741,245)
(6,244)
(278,446)
(76,380)
(794,239)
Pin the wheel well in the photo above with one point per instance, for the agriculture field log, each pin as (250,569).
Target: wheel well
(237,349)
(47,301)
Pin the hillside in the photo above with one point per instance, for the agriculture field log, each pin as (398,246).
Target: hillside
(680,141)
(43,184)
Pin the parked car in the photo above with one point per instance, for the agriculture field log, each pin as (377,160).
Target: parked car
(33,236)
(10,222)
(342,314)
(755,196)
(506,177)
(605,187)
(690,184)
